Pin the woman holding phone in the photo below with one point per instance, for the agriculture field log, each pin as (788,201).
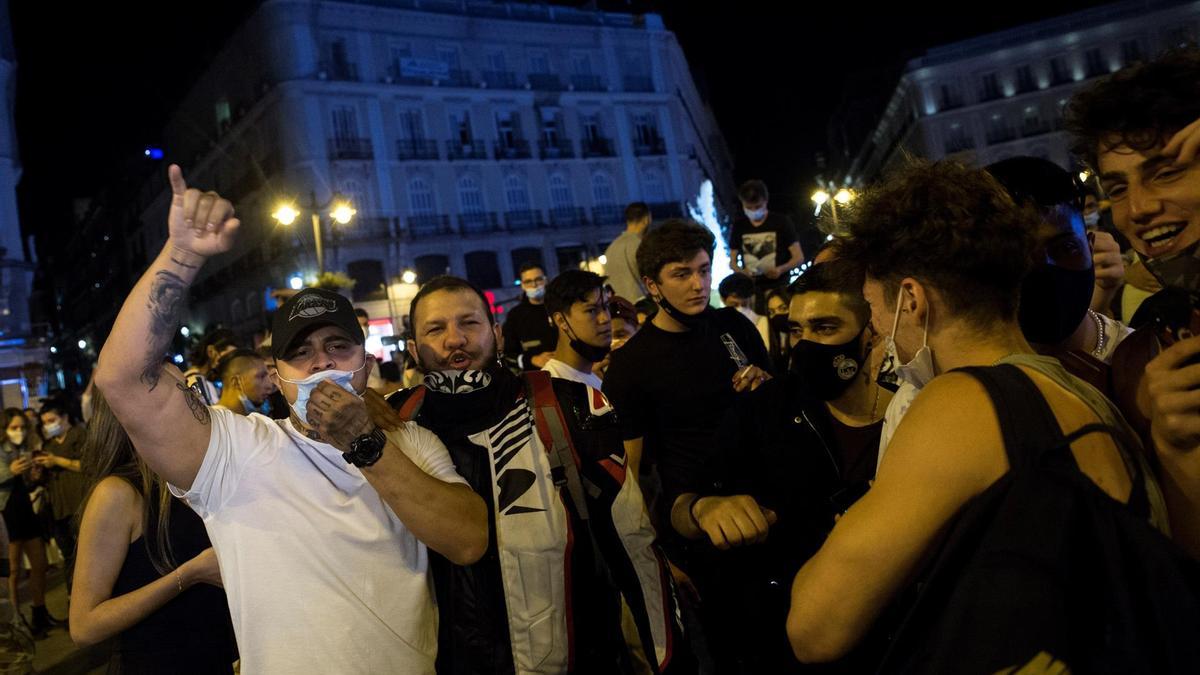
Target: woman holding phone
(17,471)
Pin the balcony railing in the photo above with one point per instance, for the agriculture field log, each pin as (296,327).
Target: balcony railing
(649,147)
(460,78)
(608,215)
(568,216)
(351,148)
(557,149)
(1036,128)
(365,227)
(515,149)
(428,225)
(408,149)
(519,221)
(597,147)
(638,83)
(478,223)
(469,150)
(499,79)
(1004,135)
(588,83)
(545,82)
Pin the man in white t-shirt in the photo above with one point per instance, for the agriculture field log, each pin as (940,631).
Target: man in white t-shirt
(320,523)
(577,303)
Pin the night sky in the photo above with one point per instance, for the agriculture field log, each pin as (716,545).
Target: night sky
(96,82)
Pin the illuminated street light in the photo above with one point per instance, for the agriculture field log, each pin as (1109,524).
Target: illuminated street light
(54,350)
(83,344)
(342,213)
(820,197)
(286,214)
(603,259)
(184,331)
(296,283)
(843,196)
(1084,176)
(409,277)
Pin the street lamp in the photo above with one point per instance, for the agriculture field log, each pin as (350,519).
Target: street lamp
(841,196)
(409,277)
(340,211)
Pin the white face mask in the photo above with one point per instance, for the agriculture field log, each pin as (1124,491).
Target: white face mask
(16,436)
(304,387)
(52,430)
(756,214)
(1092,219)
(535,293)
(918,372)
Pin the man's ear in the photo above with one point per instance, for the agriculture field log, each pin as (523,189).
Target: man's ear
(559,321)
(498,331)
(651,287)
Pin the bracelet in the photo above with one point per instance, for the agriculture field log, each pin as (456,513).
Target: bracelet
(692,512)
(179,579)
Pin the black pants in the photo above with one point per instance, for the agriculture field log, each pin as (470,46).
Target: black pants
(64,534)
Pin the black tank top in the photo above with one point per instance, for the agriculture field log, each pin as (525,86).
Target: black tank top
(191,634)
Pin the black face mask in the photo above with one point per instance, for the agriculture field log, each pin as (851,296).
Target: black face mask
(827,371)
(779,323)
(1053,302)
(590,353)
(689,321)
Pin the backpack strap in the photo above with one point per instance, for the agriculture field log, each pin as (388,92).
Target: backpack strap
(411,406)
(1027,423)
(552,428)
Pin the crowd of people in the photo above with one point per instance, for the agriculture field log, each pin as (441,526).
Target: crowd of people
(963,440)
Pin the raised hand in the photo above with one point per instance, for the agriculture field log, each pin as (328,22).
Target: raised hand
(338,416)
(199,223)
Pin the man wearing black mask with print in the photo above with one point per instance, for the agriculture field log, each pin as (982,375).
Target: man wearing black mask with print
(1055,313)
(795,454)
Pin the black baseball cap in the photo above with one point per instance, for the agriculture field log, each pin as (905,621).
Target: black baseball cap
(309,309)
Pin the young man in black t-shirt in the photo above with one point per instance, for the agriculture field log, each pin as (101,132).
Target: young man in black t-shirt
(763,245)
(529,337)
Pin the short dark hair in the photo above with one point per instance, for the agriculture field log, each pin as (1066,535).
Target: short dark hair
(1140,106)
(949,226)
(570,287)
(675,241)
(55,405)
(637,212)
(737,284)
(446,282)
(753,191)
(361,313)
(1037,182)
(234,362)
(646,306)
(841,277)
(217,338)
(530,265)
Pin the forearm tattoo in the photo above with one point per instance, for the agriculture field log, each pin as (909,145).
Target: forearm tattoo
(199,410)
(166,306)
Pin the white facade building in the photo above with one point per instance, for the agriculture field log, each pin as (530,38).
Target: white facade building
(1002,95)
(469,136)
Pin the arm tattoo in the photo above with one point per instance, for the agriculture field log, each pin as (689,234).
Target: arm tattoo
(199,410)
(179,262)
(166,305)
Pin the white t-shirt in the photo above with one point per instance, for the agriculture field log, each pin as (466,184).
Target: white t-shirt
(562,371)
(321,575)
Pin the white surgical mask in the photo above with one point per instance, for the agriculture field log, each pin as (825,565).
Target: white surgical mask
(304,387)
(16,436)
(52,430)
(535,293)
(1092,219)
(756,214)
(918,372)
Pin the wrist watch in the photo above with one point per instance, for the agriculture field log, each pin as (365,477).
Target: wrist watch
(366,449)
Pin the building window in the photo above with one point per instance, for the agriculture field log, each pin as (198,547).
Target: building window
(1095,63)
(539,63)
(345,123)
(412,125)
(470,196)
(991,87)
(516,192)
(430,266)
(398,53)
(353,191)
(1131,51)
(460,127)
(592,130)
(496,61)
(1025,81)
(483,269)
(560,191)
(581,64)
(508,128)
(521,256)
(421,200)
(449,56)
(602,190)
(949,98)
(1059,73)
(368,280)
